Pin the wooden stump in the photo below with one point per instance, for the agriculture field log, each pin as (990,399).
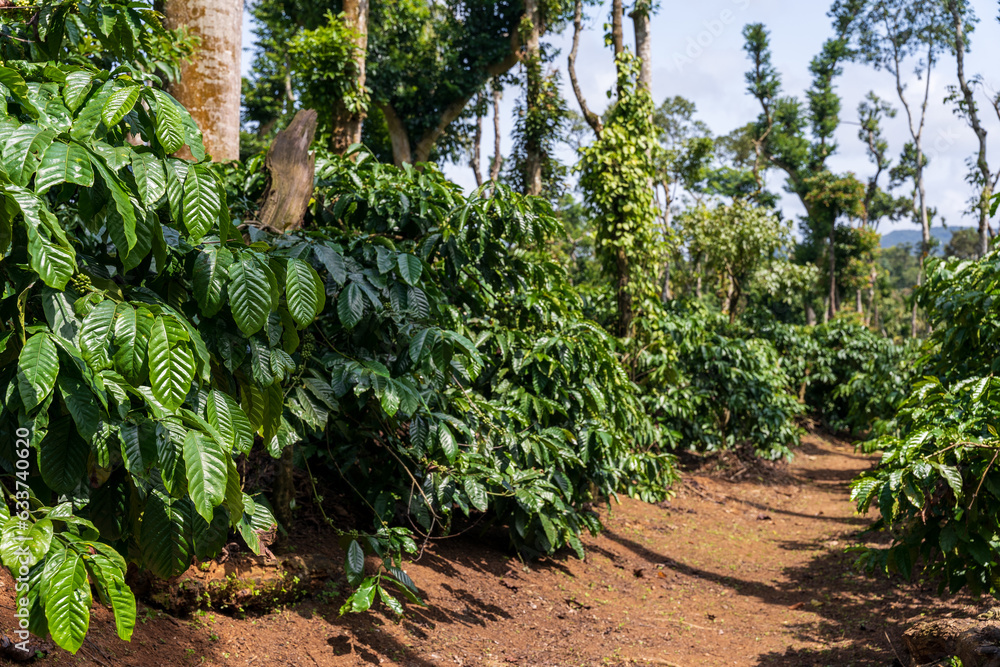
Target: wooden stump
(291,168)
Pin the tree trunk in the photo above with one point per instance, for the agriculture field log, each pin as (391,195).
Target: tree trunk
(533,81)
(290,170)
(617,33)
(475,153)
(973,114)
(624,294)
(209,86)
(643,47)
(832,299)
(398,135)
(592,118)
(347,123)
(497,156)
(810,314)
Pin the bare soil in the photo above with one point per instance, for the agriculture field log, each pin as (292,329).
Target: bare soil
(743,567)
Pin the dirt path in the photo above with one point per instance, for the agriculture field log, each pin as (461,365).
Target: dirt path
(728,573)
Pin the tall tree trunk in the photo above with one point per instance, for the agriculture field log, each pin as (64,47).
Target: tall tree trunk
(347,123)
(497,155)
(592,118)
(617,32)
(832,299)
(973,115)
(643,45)
(533,70)
(209,86)
(624,294)
(475,153)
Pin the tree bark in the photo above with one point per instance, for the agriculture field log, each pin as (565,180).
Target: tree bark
(592,118)
(476,152)
(624,295)
(643,46)
(617,34)
(497,156)
(398,135)
(290,170)
(533,82)
(832,304)
(973,114)
(209,86)
(346,123)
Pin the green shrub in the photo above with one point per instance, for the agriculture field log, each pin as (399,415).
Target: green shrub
(713,387)
(937,485)
(417,342)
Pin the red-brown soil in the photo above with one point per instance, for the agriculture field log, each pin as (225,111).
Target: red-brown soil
(745,572)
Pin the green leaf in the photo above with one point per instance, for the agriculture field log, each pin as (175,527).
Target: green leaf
(351,306)
(249,293)
(81,403)
(16,85)
(304,291)
(390,602)
(448,444)
(34,537)
(476,493)
(171,361)
(38,366)
(163,535)
(95,334)
(207,473)
(169,123)
(132,332)
(201,202)
(23,151)
(67,600)
(355,563)
(76,88)
(211,268)
(141,444)
(119,103)
(274,404)
(64,163)
(122,227)
(410,268)
(333,261)
(150,177)
(111,580)
(225,414)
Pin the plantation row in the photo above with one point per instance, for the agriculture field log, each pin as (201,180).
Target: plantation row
(424,348)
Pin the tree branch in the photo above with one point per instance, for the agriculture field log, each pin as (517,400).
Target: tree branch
(592,118)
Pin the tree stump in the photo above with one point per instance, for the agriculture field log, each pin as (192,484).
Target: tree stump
(291,168)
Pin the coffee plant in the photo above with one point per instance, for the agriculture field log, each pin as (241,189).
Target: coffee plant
(938,482)
(416,343)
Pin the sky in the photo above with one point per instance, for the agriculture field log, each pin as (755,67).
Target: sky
(698,53)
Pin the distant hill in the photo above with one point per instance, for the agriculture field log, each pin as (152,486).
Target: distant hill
(913,237)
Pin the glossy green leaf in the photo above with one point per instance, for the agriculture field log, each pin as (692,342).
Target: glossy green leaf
(64,163)
(37,368)
(211,272)
(249,293)
(225,414)
(67,600)
(304,291)
(171,361)
(207,472)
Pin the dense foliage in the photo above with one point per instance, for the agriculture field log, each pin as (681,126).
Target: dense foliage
(937,483)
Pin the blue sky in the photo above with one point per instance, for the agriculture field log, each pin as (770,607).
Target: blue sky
(698,53)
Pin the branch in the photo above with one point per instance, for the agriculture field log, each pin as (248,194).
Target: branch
(592,118)
(397,134)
